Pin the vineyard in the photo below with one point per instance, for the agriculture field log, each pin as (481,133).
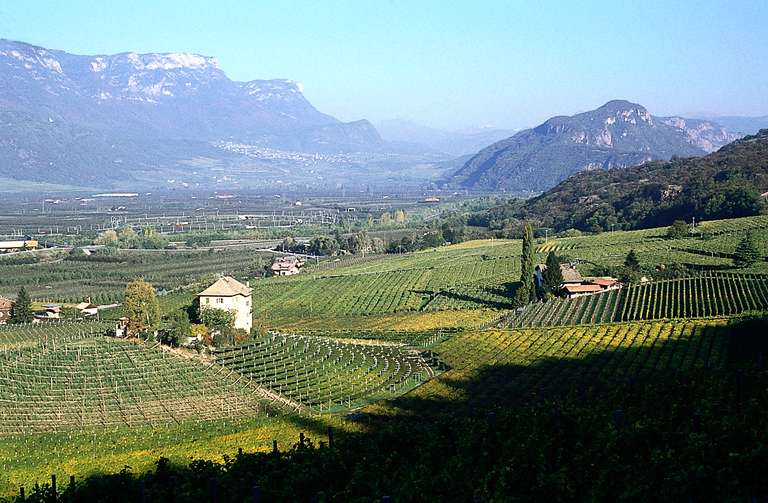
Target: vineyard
(39,336)
(327,374)
(705,295)
(98,381)
(464,277)
(374,334)
(104,280)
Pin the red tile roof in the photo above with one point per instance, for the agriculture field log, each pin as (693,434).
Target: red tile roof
(582,288)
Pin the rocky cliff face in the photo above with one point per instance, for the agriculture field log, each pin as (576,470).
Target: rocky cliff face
(174,95)
(618,134)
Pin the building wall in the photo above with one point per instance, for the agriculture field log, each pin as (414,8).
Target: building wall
(238,303)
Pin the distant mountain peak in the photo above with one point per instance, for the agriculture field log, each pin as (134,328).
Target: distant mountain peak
(616,135)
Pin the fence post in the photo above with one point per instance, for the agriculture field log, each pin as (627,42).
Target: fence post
(330,436)
(274,447)
(256,494)
(53,487)
(21,493)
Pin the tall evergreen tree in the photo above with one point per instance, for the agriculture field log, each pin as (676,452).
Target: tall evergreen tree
(553,276)
(527,291)
(22,309)
(747,252)
(632,262)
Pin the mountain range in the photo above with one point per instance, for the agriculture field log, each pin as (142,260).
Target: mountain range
(176,120)
(95,119)
(618,134)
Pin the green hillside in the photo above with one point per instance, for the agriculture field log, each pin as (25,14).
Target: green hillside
(725,184)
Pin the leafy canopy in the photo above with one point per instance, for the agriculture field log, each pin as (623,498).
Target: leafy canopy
(141,306)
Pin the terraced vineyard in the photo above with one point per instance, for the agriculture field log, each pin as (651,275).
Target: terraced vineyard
(704,295)
(542,360)
(100,381)
(711,294)
(327,374)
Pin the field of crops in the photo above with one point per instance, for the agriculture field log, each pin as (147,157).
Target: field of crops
(327,374)
(99,381)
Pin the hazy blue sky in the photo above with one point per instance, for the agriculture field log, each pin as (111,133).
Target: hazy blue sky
(444,63)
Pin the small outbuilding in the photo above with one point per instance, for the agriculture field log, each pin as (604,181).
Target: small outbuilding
(50,312)
(6,305)
(286,266)
(87,310)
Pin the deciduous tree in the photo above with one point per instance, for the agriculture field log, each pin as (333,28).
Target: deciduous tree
(141,307)
(679,229)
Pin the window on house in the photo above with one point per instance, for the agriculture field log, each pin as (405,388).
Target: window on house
(219,300)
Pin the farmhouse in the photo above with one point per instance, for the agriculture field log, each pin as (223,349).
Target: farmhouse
(228,294)
(570,275)
(589,286)
(87,310)
(286,266)
(5,309)
(575,285)
(50,312)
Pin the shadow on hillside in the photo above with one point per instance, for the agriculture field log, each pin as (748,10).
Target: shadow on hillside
(622,425)
(505,292)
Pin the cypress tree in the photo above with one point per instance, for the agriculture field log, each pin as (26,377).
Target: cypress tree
(747,252)
(22,309)
(553,276)
(527,291)
(632,262)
